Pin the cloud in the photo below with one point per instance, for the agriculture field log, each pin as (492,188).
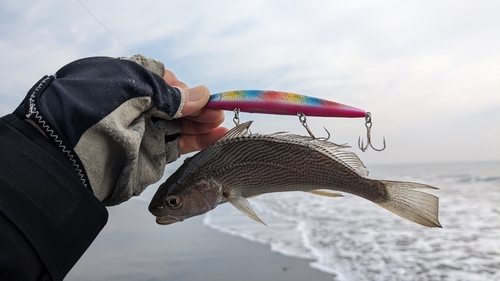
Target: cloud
(424,69)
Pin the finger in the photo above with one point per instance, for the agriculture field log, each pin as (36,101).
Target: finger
(195,128)
(194,100)
(206,114)
(206,121)
(190,143)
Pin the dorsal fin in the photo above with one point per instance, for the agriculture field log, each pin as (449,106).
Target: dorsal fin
(349,159)
(238,131)
(335,151)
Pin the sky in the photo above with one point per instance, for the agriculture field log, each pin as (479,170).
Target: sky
(428,71)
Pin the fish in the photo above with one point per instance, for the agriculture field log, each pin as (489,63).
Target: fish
(281,103)
(242,165)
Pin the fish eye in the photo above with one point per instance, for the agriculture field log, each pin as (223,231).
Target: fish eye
(174,201)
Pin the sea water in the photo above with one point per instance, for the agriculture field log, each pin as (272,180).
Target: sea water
(354,239)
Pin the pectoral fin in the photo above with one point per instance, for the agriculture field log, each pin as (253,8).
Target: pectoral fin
(242,204)
(326,192)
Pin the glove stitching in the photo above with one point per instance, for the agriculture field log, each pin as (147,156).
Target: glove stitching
(35,115)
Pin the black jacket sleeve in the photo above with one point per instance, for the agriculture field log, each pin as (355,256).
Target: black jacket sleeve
(99,120)
(47,217)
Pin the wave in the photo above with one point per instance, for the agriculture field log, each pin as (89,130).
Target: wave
(353,239)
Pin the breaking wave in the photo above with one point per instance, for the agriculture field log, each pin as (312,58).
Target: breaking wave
(354,239)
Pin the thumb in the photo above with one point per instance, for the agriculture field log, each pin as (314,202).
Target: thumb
(194,99)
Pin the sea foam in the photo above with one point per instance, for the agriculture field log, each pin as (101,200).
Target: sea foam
(354,239)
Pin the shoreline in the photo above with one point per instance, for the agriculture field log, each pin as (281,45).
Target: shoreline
(133,247)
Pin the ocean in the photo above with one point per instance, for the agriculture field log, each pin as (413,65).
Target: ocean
(354,239)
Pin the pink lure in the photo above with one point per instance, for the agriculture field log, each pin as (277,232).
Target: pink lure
(282,103)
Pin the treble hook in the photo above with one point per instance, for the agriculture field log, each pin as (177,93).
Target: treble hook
(368,125)
(303,121)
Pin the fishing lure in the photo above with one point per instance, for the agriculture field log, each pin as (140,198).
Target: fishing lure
(283,103)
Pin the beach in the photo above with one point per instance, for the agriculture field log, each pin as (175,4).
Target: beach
(133,247)
(311,237)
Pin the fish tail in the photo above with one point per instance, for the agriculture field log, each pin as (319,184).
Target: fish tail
(413,205)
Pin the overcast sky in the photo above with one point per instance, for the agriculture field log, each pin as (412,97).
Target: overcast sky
(428,71)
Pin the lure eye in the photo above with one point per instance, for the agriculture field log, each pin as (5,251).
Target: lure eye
(174,201)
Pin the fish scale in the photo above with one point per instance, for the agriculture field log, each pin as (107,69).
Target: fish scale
(242,165)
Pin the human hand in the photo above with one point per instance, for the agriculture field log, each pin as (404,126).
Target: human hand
(200,125)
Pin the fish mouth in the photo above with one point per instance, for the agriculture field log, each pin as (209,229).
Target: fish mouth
(167,220)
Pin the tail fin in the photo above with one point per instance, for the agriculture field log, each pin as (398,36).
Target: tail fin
(416,206)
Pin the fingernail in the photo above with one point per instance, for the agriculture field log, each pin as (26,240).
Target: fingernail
(198,93)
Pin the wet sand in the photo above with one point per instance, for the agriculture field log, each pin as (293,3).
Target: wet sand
(133,247)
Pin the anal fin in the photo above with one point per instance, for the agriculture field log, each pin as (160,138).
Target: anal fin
(325,192)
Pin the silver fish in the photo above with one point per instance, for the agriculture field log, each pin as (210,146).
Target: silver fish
(242,165)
